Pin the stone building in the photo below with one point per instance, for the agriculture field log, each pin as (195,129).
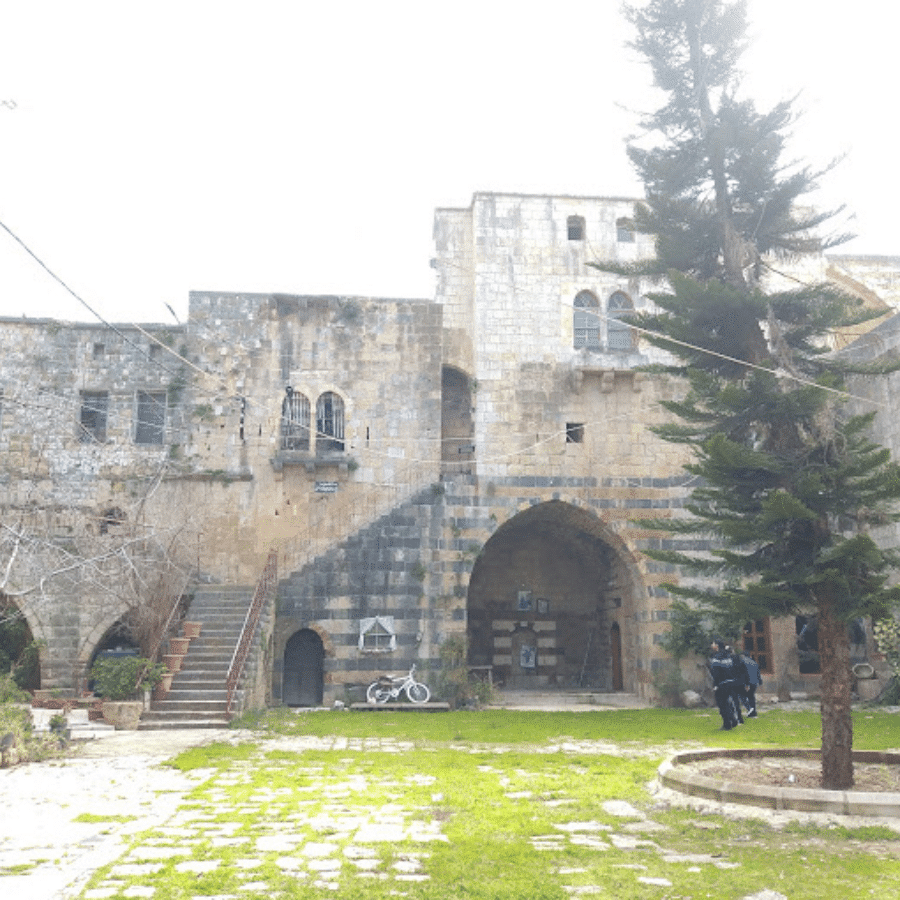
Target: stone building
(478,463)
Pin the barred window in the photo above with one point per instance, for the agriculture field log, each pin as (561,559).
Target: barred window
(329,423)
(294,421)
(625,231)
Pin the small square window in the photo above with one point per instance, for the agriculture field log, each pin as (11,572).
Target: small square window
(99,350)
(377,635)
(574,432)
(575,228)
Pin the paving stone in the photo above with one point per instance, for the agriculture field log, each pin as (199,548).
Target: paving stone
(324,865)
(628,842)
(248,863)
(290,864)
(197,865)
(377,832)
(766,895)
(351,851)
(621,808)
(366,865)
(261,887)
(582,826)
(101,892)
(277,843)
(660,882)
(128,870)
(592,843)
(138,890)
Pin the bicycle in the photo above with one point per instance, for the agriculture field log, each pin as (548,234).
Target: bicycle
(389,687)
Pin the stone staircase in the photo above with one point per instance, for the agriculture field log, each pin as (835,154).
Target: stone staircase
(199,694)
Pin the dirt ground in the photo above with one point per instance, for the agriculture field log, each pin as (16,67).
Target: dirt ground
(806,773)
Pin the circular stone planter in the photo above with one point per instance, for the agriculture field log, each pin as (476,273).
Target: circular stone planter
(124,714)
(673,775)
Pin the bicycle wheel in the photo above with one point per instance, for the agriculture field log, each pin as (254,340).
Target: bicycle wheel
(418,692)
(377,693)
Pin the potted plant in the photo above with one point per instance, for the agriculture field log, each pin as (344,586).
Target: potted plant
(119,681)
(190,629)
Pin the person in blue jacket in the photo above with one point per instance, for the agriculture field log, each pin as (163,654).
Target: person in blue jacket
(751,683)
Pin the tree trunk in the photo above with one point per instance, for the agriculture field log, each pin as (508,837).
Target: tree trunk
(837,722)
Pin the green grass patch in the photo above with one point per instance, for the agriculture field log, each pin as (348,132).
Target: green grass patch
(94,819)
(493,805)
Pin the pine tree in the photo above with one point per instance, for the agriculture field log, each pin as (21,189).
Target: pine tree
(789,482)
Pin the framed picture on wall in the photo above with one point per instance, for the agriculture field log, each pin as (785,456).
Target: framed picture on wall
(523,602)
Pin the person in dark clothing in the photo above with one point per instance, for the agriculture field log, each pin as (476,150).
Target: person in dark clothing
(751,683)
(723,666)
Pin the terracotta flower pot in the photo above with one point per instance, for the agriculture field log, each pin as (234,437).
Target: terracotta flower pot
(190,629)
(179,645)
(173,661)
(163,687)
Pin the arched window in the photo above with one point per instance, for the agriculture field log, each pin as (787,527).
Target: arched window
(294,421)
(618,332)
(575,228)
(586,321)
(329,423)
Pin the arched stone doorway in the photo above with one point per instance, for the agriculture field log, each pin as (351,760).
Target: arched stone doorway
(304,669)
(551,602)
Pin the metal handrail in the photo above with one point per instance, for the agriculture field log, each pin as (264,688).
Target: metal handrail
(264,589)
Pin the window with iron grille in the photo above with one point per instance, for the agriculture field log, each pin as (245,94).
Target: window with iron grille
(329,423)
(377,635)
(150,420)
(586,321)
(619,335)
(294,421)
(92,417)
(757,644)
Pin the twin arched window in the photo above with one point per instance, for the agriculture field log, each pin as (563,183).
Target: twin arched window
(586,322)
(295,422)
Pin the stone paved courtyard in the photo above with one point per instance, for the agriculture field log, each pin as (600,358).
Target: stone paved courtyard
(46,855)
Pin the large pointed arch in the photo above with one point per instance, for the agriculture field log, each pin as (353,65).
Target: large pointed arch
(543,598)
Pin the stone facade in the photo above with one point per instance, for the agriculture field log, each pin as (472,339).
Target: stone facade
(475,464)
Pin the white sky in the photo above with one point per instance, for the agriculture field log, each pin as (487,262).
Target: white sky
(160,147)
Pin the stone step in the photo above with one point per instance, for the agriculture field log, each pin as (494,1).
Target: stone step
(206,722)
(181,708)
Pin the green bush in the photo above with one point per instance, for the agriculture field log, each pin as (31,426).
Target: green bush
(116,678)
(10,692)
(455,683)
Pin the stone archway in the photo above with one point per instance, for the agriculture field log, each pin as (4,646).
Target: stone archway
(551,602)
(303,681)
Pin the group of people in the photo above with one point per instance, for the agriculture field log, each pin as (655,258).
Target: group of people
(735,680)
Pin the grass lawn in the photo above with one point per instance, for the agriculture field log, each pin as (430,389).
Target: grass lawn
(489,805)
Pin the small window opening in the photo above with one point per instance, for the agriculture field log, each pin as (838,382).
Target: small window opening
(574,432)
(111,518)
(625,231)
(155,351)
(377,635)
(151,417)
(619,334)
(575,228)
(807,629)
(93,416)
(99,350)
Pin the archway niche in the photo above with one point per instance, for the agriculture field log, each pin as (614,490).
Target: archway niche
(19,652)
(304,669)
(551,603)
(457,427)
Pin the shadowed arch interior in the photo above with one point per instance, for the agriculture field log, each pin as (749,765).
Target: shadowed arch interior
(543,598)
